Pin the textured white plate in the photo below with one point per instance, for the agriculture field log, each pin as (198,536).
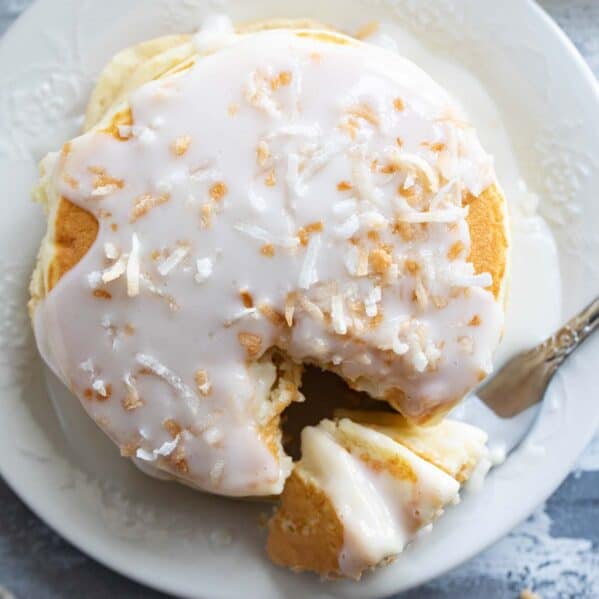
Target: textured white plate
(167,536)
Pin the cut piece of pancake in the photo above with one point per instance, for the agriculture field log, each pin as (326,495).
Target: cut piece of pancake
(453,446)
(361,492)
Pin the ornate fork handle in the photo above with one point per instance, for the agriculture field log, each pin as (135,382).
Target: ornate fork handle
(560,345)
(524,379)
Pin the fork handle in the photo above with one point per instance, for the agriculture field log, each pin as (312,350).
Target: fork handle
(522,382)
(561,344)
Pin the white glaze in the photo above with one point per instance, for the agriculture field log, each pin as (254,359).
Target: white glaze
(380,513)
(189,316)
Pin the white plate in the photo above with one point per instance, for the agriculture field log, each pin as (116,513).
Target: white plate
(174,539)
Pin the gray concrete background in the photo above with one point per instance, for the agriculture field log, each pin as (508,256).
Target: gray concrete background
(555,552)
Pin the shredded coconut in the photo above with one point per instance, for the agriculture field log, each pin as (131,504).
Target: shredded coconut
(241,315)
(416,163)
(308,275)
(99,386)
(178,254)
(348,228)
(370,303)
(364,182)
(338,315)
(115,271)
(170,377)
(133,268)
(110,251)
(94,279)
(204,270)
(262,235)
(164,450)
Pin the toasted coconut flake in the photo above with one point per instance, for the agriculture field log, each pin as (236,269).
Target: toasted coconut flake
(262,235)
(133,268)
(172,427)
(166,449)
(284,78)
(365,112)
(439,302)
(103,184)
(100,387)
(203,382)
(455,250)
(115,271)
(398,105)
(344,186)
(245,313)
(146,202)
(70,181)
(338,315)
(246,298)
(176,256)
(267,250)
(305,232)
(204,269)
(311,308)
(421,294)
(102,294)
(181,145)
(132,400)
(272,315)
(262,153)
(258,94)
(379,260)
(271,178)
(169,377)
(290,301)
(308,274)
(475,321)
(206,215)
(218,191)
(413,162)
(251,342)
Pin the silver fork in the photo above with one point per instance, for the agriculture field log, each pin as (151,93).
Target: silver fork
(523,380)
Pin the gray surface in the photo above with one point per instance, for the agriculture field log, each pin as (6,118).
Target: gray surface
(555,552)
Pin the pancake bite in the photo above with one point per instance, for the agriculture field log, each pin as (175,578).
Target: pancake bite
(243,204)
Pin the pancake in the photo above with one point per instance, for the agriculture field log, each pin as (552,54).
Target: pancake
(117,231)
(355,477)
